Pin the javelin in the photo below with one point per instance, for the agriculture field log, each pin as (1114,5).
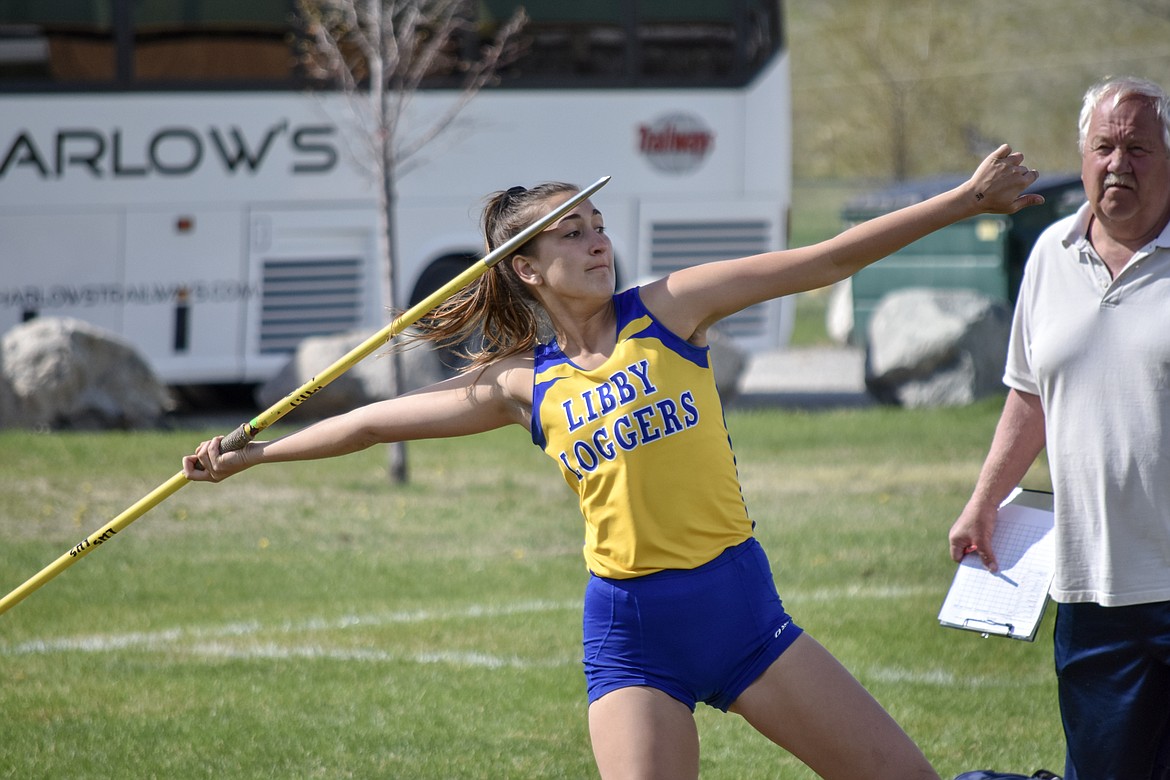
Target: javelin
(248,431)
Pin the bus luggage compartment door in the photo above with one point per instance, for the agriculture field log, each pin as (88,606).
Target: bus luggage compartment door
(61,265)
(678,234)
(315,273)
(187,287)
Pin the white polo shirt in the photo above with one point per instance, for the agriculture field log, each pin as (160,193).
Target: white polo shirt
(1097,352)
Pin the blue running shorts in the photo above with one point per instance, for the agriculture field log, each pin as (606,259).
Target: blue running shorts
(702,634)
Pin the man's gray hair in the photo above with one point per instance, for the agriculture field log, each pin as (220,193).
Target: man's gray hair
(1118,90)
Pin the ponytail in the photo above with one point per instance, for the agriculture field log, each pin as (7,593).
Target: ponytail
(495,316)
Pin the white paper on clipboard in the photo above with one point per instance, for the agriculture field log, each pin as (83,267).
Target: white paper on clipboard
(1011,602)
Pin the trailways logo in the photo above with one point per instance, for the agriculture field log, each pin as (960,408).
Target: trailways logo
(168,151)
(676,143)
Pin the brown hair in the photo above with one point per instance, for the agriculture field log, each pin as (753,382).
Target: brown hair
(495,316)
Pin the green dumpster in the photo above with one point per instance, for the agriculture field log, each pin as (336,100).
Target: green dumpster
(985,253)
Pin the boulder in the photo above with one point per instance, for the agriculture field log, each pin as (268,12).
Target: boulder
(931,347)
(839,312)
(728,361)
(366,382)
(9,403)
(63,373)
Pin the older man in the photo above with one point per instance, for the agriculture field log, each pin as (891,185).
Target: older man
(1089,377)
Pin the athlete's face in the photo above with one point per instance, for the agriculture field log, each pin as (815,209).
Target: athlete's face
(574,256)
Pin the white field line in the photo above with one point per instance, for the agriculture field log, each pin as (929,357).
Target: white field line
(858,591)
(190,639)
(271,651)
(216,641)
(945,679)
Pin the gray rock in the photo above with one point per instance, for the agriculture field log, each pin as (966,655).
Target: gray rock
(728,361)
(366,382)
(60,372)
(930,347)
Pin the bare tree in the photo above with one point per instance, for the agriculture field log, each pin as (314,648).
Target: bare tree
(378,52)
(904,50)
(1157,8)
(895,76)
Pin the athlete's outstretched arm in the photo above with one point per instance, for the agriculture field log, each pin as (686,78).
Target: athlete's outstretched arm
(690,300)
(473,402)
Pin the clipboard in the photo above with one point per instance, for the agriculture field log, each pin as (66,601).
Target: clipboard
(1011,602)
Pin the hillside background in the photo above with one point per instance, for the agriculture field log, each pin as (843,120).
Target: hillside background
(894,89)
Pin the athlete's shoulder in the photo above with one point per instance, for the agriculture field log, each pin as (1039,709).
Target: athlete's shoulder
(513,371)
(507,382)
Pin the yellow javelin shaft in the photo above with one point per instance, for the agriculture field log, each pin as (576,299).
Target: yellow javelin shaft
(94,540)
(248,431)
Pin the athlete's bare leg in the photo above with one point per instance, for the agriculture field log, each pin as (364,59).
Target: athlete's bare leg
(642,733)
(810,705)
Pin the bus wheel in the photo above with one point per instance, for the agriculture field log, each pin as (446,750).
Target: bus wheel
(432,278)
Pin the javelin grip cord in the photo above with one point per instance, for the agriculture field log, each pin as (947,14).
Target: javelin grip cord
(238,438)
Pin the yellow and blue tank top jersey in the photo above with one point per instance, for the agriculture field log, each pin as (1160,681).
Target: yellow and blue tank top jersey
(643,441)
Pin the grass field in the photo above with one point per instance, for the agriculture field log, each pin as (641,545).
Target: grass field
(313,621)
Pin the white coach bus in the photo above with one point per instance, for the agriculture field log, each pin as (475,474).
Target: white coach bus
(165,174)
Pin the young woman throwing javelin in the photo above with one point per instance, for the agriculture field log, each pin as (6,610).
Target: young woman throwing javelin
(680,606)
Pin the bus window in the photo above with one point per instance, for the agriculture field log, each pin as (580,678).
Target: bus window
(714,40)
(568,40)
(687,36)
(201,44)
(213,40)
(62,41)
(650,42)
